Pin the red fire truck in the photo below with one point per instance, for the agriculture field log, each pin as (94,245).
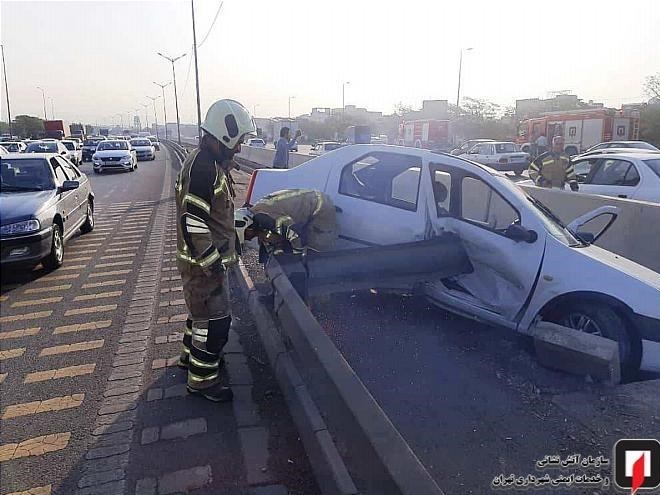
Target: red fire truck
(581,129)
(432,134)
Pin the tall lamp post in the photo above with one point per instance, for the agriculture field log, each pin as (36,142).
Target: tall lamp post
(4,71)
(146,116)
(290,98)
(162,87)
(343,95)
(43,95)
(176,98)
(52,107)
(199,112)
(460,67)
(153,99)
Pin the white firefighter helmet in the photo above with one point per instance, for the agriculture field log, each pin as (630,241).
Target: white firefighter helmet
(228,121)
(242,220)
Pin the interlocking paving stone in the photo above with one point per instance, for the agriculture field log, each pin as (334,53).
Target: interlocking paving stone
(185,480)
(183,429)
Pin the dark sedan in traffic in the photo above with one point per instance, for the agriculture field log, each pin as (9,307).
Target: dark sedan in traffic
(44,200)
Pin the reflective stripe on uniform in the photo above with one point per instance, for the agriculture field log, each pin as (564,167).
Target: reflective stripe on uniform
(197,201)
(280,221)
(202,364)
(534,166)
(204,262)
(193,378)
(221,186)
(319,203)
(286,195)
(232,258)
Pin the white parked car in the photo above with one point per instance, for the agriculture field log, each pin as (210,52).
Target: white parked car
(602,151)
(623,144)
(14,146)
(526,265)
(500,155)
(256,143)
(48,146)
(3,150)
(154,140)
(114,155)
(325,146)
(468,145)
(75,151)
(144,148)
(623,175)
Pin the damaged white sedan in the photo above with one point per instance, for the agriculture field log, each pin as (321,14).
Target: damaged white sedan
(525,265)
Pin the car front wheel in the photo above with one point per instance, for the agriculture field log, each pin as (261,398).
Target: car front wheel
(600,319)
(56,256)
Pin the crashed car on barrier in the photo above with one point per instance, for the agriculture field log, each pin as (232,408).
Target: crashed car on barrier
(525,265)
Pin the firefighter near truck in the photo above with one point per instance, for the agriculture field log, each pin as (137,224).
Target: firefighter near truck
(580,129)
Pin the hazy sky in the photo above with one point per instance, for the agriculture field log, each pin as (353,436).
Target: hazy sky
(96,59)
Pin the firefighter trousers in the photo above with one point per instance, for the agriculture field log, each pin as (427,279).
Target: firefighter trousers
(207,326)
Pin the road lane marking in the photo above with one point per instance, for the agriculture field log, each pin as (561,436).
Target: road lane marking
(2,377)
(11,353)
(72,267)
(104,284)
(89,297)
(23,332)
(76,347)
(41,406)
(93,309)
(78,327)
(35,302)
(39,290)
(81,258)
(125,243)
(106,274)
(34,446)
(37,490)
(54,374)
(116,256)
(80,246)
(3,298)
(59,277)
(116,263)
(28,316)
(123,237)
(115,250)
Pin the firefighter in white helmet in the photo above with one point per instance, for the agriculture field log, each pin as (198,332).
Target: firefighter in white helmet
(206,244)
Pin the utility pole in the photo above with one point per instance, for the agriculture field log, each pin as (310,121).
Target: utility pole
(343,93)
(146,116)
(199,111)
(162,87)
(176,98)
(52,108)
(4,70)
(458,92)
(153,99)
(43,95)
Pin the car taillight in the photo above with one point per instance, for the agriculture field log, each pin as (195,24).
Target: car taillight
(503,160)
(248,195)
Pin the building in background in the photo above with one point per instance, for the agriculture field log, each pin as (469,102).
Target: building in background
(533,107)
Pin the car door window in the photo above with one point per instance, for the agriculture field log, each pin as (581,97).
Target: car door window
(482,205)
(583,168)
(60,175)
(441,184)
(613,172)
(387,178)
(69,170)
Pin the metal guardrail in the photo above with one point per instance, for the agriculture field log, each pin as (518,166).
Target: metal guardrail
(178,151)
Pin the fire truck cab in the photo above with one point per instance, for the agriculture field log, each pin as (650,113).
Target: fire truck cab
(581,129)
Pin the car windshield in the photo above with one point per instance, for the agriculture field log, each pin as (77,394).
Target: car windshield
(25,175)
(505,148)
(92,142)
(641,145)
(153,139)
(42,147)
(112,145)
(11,146)
(141,142)
(332,146)
(654,165)
(69,146)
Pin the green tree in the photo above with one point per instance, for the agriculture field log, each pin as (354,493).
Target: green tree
(649,124)
(28,126)
(652,86)
(4,128)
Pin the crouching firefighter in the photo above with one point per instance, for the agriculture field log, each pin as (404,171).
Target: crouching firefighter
(206,244)
(289,221)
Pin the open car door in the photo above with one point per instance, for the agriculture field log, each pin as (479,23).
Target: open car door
(505,246)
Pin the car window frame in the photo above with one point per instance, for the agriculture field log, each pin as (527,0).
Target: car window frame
(69,166)
(54,164)
(398,206)
(600,164)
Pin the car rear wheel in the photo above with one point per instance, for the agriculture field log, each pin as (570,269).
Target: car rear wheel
(56,256)
(88,226)
(600,319)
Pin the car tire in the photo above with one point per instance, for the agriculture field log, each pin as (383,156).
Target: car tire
(88,226)
(601,319)
(97,171)
(55,258)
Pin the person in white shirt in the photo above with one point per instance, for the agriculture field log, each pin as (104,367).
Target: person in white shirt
(541,144)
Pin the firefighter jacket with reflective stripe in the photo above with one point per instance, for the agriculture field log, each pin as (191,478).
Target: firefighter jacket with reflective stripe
(205,212)
(304,217)
(552,170)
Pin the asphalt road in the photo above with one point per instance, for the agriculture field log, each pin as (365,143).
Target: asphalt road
(89,399)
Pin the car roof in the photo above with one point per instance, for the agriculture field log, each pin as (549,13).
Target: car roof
(645,155)
(27,156)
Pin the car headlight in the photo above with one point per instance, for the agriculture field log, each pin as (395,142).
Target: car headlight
(95,158)
(20,227)
(126,159)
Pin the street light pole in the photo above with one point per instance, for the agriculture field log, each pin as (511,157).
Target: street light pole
(43,95)
(153,99)
(343,93)
(199,111)
(52,107)
(290,98)
(254,109)
(4,70)
(146,116)
(176,98)
(162,87)
(460,67)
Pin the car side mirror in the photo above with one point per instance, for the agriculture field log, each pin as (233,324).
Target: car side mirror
(69,185)
(518,233)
